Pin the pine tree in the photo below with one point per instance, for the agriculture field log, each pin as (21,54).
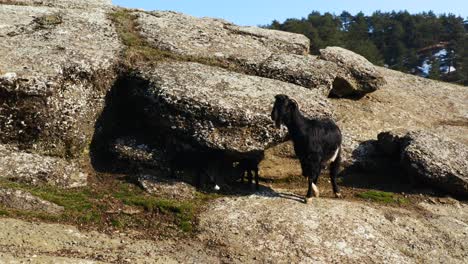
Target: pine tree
(434,73)
(400,40)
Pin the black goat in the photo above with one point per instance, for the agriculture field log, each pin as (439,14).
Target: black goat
(316,142)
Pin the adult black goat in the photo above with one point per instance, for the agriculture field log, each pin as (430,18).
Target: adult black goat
(316,142)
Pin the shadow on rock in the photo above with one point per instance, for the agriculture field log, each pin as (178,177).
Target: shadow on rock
(124,141)
(374,169)
(129,140)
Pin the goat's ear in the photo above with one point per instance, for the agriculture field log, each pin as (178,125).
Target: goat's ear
(296,103)
(292,105)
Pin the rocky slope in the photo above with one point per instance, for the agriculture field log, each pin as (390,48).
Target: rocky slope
(88,87)
(262,228)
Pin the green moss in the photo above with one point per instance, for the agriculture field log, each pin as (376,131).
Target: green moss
(88,206)
(3,212)
(383,197)
(184,212)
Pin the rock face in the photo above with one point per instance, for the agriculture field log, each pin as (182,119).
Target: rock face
(439,161)
(359,77)
(432,159)
(37,169)
(211,108)
(25,201)
(56,66)
(267,53)
(57,62)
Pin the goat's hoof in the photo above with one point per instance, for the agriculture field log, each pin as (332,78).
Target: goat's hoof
(308,200)
(338,195)
(316,190)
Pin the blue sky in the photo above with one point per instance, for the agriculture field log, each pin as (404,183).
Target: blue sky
(261,12)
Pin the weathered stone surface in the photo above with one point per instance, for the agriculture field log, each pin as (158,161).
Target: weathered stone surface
(56,66)
(307,71)
(216,38)
(271,228)
(37,169)
(166,188)
(267,53)
(360,77)
(25,201)
(216,109)
(41,243)
(82,4)
(439,161)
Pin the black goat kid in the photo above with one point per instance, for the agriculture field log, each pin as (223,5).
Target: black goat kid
(316,142)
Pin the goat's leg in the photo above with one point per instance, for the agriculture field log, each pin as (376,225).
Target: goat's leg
(250,176)
(312,171)
(334,168)
(256,178)
(199,179)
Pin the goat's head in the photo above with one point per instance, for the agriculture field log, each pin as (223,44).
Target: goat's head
(283,110)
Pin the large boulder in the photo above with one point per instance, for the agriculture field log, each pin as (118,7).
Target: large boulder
(304,70)
(57,62)
(407,103)
(56,66)
(430,158)
(360,76)
(211,108)
(267,53)
(216,39)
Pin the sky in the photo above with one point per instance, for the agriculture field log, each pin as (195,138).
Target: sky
(262,12)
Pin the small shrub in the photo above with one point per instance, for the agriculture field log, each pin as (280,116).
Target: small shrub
(48,21)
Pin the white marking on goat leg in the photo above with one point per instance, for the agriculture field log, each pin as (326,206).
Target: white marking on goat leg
(308,200)
(316,190)
(217,188)
(338,195)
(335,155)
